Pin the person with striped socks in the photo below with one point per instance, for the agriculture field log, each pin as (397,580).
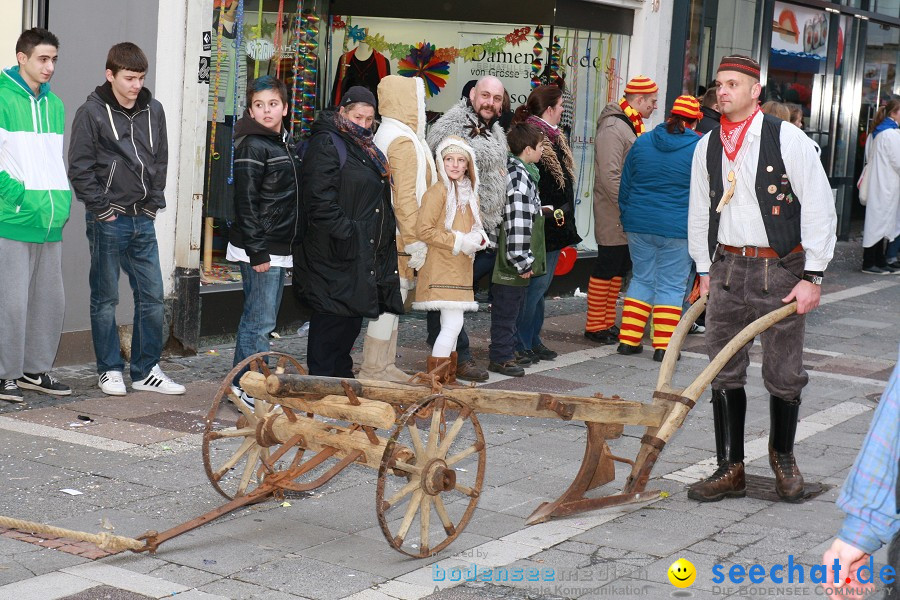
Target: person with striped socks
(653,198)
(619,125)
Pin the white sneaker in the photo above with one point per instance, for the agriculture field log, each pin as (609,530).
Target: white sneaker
(239,395)
(157,381)
(112,384)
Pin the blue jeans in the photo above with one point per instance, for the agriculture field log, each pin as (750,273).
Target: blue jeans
(531,318)
(893,249)
(128,243)
(508,300)
(660,269)
(262,297)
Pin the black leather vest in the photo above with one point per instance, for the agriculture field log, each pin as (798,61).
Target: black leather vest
(779,205)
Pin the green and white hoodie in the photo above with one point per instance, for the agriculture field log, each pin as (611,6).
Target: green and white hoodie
(34,190)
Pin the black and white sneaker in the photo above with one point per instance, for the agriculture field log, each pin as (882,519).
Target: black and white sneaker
(44,383)
(10,391)
(159,382)
(240,396)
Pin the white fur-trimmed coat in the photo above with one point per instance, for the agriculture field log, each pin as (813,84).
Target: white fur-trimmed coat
(490,156)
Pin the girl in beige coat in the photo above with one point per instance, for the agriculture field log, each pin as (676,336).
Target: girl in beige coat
(449,223)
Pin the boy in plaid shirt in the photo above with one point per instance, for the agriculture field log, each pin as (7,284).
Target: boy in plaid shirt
(518,255)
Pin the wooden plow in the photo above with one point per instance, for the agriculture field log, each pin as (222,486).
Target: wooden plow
(424,440)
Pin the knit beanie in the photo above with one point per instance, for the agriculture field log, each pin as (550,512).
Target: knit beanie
(641,85)
(687,107)
(741,64)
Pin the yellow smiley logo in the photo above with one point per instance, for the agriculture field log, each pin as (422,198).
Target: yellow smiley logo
(682,573)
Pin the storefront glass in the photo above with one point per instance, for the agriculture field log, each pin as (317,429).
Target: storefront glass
(593,66)
(251,38)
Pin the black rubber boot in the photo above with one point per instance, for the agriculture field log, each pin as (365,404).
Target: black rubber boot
(729,412)
(784,415)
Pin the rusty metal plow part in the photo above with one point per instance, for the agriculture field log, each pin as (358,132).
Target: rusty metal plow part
(433,464)
(680,402)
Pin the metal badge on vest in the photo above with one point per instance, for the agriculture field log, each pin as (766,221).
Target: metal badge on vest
(780,214)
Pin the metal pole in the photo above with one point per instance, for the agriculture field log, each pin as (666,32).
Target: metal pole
(27,14)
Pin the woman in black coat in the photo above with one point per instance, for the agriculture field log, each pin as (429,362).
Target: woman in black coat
(544,110)
(345,267)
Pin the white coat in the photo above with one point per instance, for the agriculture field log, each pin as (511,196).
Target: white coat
(882,214)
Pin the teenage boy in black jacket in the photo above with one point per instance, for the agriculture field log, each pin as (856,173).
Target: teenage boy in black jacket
(266,204)
(118,155)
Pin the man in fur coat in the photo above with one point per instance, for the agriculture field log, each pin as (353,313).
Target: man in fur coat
(476,120)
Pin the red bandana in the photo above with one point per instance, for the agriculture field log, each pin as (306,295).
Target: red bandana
(732,134)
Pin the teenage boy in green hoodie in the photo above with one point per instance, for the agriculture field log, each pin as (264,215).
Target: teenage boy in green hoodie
(34,206)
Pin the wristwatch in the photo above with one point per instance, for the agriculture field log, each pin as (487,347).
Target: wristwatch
(814,278)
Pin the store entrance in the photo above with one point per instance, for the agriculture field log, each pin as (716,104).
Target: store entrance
(837,68)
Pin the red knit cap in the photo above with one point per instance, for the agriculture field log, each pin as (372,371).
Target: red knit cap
(641,85)
(687,107)
(741,64)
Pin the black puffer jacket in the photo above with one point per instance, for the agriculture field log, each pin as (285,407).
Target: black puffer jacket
(558,237)
(346,262)
(266,194)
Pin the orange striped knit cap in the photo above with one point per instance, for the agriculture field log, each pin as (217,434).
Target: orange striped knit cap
(641,85)
(687,107)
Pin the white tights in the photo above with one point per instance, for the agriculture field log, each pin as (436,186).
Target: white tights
(451,325)
(384,326)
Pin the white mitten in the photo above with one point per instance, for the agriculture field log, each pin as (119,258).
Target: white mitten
(417,252)
(472,243)
(464,244)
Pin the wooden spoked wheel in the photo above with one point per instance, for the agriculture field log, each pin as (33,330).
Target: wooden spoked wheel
(430,477)
(235,461)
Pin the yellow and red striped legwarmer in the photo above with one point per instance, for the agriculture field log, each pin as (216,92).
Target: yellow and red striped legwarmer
(634,320)
(602,297)
(665,319)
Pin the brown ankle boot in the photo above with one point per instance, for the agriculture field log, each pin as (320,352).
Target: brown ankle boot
(788,479)
(784,415)
(451,373)
(437,362)
(727,482)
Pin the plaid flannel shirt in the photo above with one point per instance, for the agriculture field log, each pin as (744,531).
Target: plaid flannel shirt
(871,494)
(522,204)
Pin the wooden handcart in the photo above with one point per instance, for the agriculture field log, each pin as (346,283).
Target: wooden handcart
(424,440)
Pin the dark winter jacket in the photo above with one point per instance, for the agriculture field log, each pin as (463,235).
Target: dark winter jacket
(552,194)
(118,157)
(346,261)
(709,121)
(656,183)
(266,191)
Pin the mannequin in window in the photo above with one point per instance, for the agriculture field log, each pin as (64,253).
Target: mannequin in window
(361,66)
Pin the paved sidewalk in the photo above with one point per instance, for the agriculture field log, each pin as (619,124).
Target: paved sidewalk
(137,463)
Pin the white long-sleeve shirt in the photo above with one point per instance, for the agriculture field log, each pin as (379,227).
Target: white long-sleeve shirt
(741,222)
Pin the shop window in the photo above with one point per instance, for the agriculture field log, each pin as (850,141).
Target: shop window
(251,38)
(890,8)
(591,65)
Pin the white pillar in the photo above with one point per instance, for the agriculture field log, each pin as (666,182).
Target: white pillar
(650,44)
(179,48)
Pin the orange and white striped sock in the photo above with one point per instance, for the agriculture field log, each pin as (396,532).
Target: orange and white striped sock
(615,286)
(598,291)
(665,319)
(634,320)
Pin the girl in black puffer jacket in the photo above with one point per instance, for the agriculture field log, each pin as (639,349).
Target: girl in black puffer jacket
(345,267)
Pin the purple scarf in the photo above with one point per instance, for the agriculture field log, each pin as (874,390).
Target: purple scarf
(551,132)
(363,138)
